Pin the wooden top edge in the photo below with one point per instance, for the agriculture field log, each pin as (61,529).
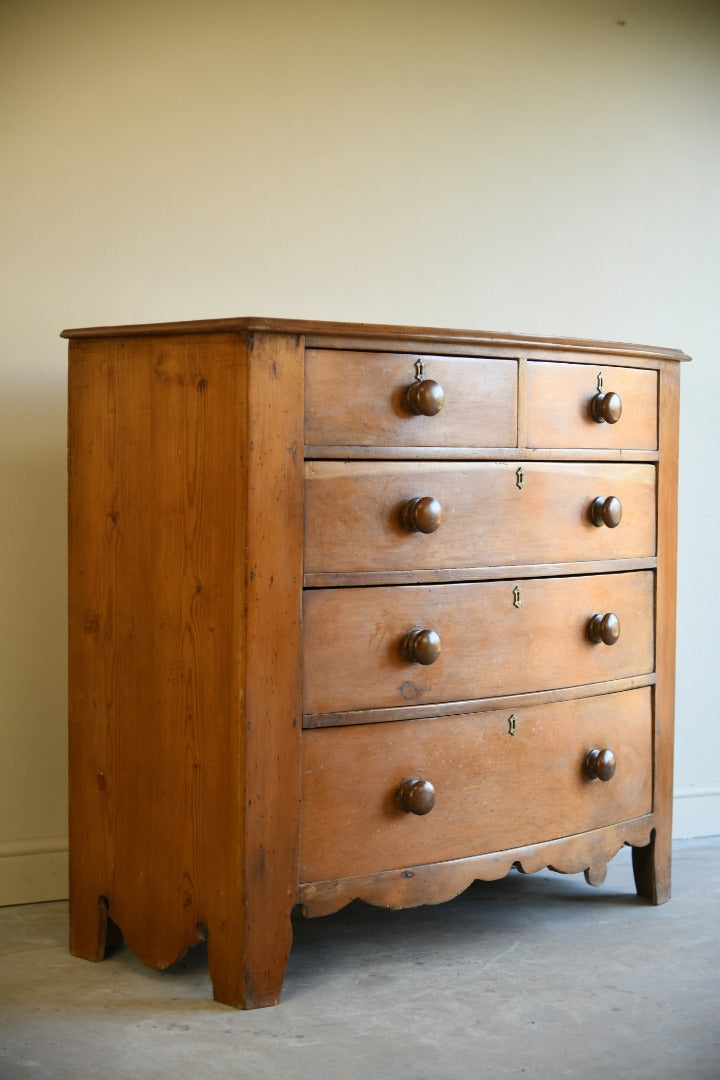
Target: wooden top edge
(361,331)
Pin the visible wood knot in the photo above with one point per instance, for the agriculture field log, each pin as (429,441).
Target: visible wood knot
(101,781)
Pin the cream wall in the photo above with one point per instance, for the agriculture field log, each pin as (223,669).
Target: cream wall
(526,165)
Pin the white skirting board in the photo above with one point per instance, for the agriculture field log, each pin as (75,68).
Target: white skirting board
(696,812)
(33,871)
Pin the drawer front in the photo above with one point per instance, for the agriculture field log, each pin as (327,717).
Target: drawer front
(356,514)
(496,638)
(493,790)
(357,399)
(559,407)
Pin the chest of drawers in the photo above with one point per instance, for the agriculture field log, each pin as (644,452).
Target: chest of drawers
(359,612)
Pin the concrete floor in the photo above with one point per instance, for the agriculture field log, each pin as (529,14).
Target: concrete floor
(528,977)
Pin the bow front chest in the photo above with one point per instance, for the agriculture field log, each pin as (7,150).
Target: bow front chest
(359,612)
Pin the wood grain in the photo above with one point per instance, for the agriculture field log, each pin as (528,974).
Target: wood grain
(474,573)
(249,951)
(194,649)
(652,864)
(357,397)
(352,639)
(153,528)
(474,453)
(558,402)
(434,883)
(352,823)
(316,331)
(456,708)
(182,571)
(352,519)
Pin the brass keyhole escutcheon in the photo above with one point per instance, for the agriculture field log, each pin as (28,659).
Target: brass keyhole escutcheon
(512,724)
(520,478)
(517,597)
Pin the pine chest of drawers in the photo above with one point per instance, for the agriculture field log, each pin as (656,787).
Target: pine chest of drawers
(359,612)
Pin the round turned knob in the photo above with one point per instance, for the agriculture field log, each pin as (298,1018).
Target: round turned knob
(421,646)
(416,796)
(606,408)
(606,511)
(421,515)
(605,628)
(600,765)
(424,398)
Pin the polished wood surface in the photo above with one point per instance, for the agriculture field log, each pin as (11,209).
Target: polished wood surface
(424,397)
(416,797)
(423,514)
(604,629)
(434,883)
(185,568)
(353,639)
(359,397)
(652,863)
(351,823)
(421,646)
(334,589)
(145,774)
(607,511)
(600,764)
(316,331)
(560,407)
(355,514)
(606,407)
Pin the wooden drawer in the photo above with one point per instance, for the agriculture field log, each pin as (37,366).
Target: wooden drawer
(559,400)
(353,639)
(353,514)
(355,398)
(493,790)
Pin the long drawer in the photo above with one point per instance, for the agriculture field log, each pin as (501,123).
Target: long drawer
(355,398)
(493,789)
(368,516)
(494,638)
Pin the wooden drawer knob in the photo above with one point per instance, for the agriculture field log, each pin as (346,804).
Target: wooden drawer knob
(606,408)
(600,765)
(425,398)
(416,796)
(604,628)
(421,515)
(606,511)
(421,646)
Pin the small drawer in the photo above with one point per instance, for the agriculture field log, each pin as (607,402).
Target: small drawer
(362,646)
(492,790)
(357,398)
(375,516)
(562,401)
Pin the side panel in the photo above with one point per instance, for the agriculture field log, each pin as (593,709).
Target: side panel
(185,609)
(156,465)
